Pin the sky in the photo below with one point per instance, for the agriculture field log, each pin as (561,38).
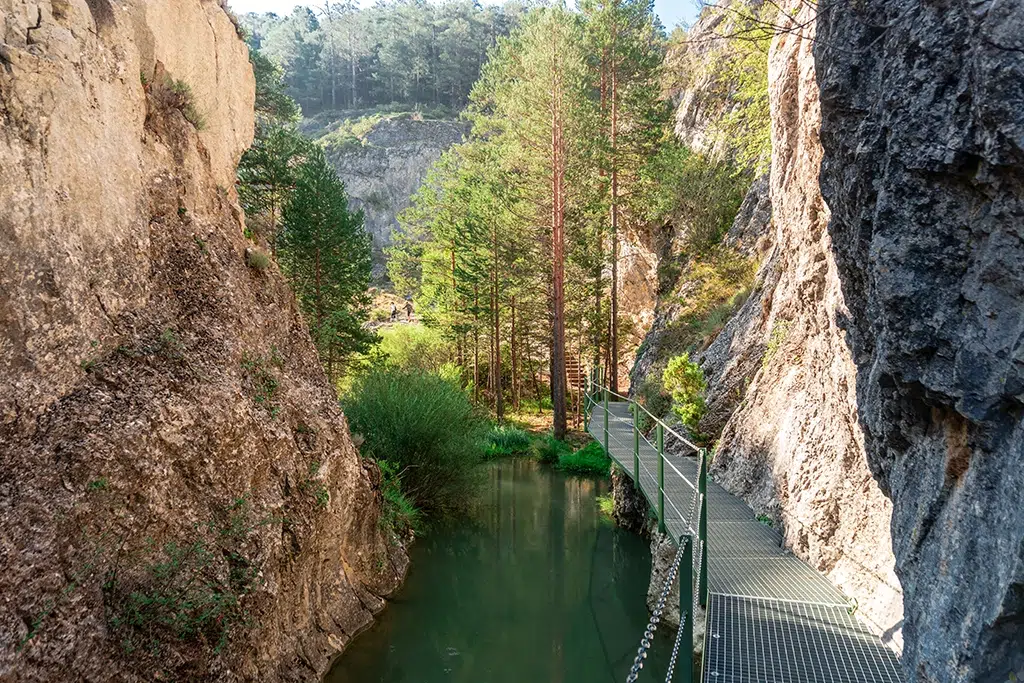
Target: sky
(671,12)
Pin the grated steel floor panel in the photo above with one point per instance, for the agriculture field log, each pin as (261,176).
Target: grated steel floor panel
(754,640)
(771,618)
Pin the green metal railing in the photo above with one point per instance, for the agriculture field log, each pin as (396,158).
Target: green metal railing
(694,538)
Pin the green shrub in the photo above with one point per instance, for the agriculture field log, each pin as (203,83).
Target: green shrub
(591,459)
(511,439)
(684,380)
(190,590)
(549,449)
(414,347)
(399,516)
(606,504)
(257,259)
(423,425)
(185,102)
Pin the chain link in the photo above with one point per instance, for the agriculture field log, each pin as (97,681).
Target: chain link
(652,625)
(675,648)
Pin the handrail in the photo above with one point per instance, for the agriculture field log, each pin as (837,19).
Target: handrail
(692,542)
(656,419)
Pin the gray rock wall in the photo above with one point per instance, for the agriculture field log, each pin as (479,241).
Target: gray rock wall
(923,131)
(382,175)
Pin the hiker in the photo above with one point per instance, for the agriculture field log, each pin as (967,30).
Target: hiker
(394,312)
(408,310)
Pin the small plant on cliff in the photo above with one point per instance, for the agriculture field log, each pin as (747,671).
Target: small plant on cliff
(775,339)
(184,101)
(399,517)
(314,487)
(191,589)
(263,382)
(684,380)
(257,259)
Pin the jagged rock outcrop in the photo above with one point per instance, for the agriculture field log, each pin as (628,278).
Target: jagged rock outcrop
(923,131)
(781,391)
(157,390)
(383,172)
(793,447)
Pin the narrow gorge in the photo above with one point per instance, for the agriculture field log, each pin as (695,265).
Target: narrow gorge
(309,310)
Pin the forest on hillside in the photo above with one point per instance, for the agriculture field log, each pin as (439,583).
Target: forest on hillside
(335,55)
(512,245)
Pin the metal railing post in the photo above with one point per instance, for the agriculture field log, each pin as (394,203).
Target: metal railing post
(685,663)
(636,446)
(607,452)
(702,487)
(661,477)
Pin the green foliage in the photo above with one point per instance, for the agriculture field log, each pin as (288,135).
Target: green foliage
(399,517)
(606,505)
(655,399)
(550,450)
(339,56)
(684,380)
(267,176)
(100,484)
(780,330)
(325,253)
(257,259)
(185,102)
(589,460)
(697,194)
(262,380)
(426,427)
(414,347)
(514,440)
(191,590)
(314,487)
(766,520)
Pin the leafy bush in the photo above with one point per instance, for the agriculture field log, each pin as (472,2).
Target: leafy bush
(550,450)
(591,459)
(423,425)
(684,380)
(399,516)
(414,347)
(606,504)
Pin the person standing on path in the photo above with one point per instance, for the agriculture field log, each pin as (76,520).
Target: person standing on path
(408,310)
(394,312)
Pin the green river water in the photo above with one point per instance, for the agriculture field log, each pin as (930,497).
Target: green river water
(534,585)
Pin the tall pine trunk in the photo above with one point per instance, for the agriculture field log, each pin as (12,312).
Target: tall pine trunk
(557,252)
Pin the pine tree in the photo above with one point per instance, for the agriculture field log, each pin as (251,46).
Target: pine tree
(326,254)
(533,93)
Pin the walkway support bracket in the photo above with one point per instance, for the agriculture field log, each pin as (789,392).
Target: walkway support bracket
(661,477)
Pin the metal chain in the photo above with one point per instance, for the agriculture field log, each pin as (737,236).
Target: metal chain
(675,648)
(652,625)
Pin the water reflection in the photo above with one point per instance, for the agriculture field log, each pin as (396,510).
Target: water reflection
(533,586)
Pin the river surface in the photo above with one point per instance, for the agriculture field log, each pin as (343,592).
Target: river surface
(535,585)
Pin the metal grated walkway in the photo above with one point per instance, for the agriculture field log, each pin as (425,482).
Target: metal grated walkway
(770,617)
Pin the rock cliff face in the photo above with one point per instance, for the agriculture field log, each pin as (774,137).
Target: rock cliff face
(383,173)
(159,395)
(923,130)
(781,379)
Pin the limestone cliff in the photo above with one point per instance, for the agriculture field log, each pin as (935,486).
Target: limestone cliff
(781,395)
(384,168)
(163,406)
(923,131)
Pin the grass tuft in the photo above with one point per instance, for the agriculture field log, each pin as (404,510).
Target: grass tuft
(589,460)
